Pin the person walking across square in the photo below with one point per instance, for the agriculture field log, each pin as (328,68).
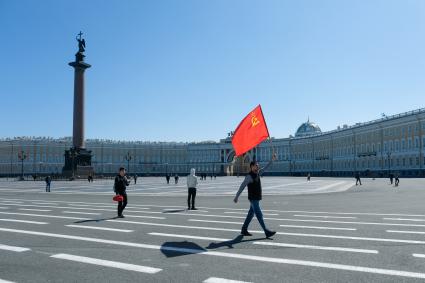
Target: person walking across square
(252,180)
(120,186)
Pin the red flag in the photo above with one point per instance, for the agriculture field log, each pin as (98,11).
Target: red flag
(251,131)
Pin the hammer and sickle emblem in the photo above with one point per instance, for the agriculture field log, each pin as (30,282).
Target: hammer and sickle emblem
(254,121)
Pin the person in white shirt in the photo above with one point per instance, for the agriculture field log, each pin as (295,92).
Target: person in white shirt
(192,183)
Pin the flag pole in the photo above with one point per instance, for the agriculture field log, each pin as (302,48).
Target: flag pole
(272,146)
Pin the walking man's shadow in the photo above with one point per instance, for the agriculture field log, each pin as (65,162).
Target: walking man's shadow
(229,244)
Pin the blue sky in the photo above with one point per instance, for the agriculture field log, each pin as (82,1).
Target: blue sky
(191,70)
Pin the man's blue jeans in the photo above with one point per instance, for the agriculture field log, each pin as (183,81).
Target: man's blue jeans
(254,209)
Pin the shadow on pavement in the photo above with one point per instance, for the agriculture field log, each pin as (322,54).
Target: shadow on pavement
(95,220)
(174,211)
(173,249)
(232,242)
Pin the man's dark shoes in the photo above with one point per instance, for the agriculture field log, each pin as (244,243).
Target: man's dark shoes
(270,234)
(245,233)
(194,208)
(121,216)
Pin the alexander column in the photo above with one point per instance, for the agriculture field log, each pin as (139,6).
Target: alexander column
(78,158)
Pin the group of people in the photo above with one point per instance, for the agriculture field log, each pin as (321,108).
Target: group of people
(203,176)
(394,178)
(252,181)
(168,177)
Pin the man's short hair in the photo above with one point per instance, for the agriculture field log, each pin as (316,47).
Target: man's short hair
(122,169)
(252,163)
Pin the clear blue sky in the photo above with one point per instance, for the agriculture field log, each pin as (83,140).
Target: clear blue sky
(191,70)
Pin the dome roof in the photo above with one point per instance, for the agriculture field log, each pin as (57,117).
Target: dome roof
(307,129)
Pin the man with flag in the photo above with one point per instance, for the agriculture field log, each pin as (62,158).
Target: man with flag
(251,132)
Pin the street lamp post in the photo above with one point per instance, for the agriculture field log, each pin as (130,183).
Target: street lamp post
(22,156)
(389,162)
(11,160)
(128,158)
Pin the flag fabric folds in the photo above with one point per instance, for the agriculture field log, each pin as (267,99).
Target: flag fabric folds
(252,130)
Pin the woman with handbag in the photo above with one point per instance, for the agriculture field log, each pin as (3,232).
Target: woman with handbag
(120,186)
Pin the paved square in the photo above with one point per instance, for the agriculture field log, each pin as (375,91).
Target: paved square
(329,230)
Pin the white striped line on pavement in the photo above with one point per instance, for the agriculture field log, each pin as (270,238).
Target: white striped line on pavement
(88,205)
(317,221)
(241,209)
(340,249)
(171,210)
(222,280)
(279,233)
(419,255)
(405,219)
(54,202)
(41,215)
(144,216)
(13,249)
(79,212)
(289,226)
(214,221)
(363,269)
(236,212)
(189,237)
(5,281)
(318,227)
(325,216)
(100,228)
(351,238)
(344,222)
(175,226)
(347,213)
(39,210)
(11,201)
(108,263)
(405,232)
(82,208)
(44,202)
(23,221)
